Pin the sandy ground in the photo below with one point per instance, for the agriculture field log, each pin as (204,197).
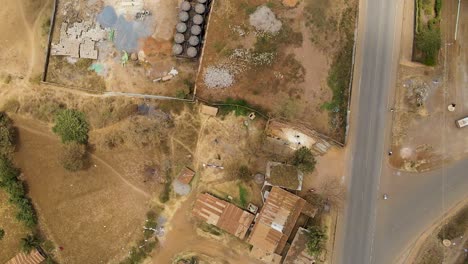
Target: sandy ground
(429,240)
(71,206)
(424,139)
(22,53)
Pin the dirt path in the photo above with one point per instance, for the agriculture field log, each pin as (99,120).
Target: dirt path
(19,123)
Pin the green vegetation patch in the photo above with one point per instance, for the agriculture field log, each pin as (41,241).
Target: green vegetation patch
(316,240)
(456,227)
(427,38)
(71,125)
(284,175)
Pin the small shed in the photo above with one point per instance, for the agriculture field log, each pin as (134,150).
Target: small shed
(209,110)
(34,257)
(186,175)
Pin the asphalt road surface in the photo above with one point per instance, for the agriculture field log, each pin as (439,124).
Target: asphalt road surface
(378,231)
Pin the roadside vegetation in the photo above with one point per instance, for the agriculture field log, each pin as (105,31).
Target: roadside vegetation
(10,176)
(316,240)
(457,226)
(304,160)
(427,36)
(147,244)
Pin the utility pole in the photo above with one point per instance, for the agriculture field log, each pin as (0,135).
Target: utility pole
(458,16)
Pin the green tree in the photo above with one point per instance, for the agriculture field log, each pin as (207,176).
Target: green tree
(2,233)
(304,160)
(71,125)
(73,156)
(7,133)
(28,243)
(316,238)
(429,42)
(8,173)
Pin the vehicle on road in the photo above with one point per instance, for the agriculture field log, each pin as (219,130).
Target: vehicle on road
(385,196)
(462,122)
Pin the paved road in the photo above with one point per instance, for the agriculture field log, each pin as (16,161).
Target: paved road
(369,133)
(378,231)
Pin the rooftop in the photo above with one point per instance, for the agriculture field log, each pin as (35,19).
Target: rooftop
(34,257)
(222,214)
(186,175)
(298,253)
(283,175)
(276,221)
(209,110)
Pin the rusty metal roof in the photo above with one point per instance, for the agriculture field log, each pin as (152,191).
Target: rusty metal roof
(298,253)
(34,257)
(276,220)
(222,214)
(186,175)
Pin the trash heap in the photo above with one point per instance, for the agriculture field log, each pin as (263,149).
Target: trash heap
(193,17)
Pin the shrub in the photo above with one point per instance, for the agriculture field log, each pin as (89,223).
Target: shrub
(238,106)
(243,193)
(14,187)
(71,125)
(429,42)
(73,156)
(2,233)
(304,160)
(316,238)
(7,135)
(28,243)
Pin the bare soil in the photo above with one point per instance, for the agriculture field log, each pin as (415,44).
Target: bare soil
(71,206)
(294,85)
(426,137)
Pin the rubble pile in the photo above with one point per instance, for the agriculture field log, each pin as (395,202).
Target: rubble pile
(218,77)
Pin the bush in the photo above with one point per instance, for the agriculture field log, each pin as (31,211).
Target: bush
(14,187)
(2,234)
(316,239)
(438,7)
(29,242)
(71,125)
(73,156)
(7,135)
(429,42)
(243,195)
(304,160)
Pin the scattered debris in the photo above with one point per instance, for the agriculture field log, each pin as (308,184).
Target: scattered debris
(142,14)
(263,19)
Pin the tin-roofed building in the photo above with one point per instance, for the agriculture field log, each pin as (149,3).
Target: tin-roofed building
(275,223)
(222,214)
(34,257)
(298,253)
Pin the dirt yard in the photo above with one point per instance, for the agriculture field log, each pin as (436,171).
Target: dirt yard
(424,132)
(98,201)
(149,60)
(286,72)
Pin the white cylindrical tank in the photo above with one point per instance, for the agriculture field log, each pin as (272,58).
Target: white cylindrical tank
(192,52)
(195,30)
(179,38)
(197,19)
(177,49)
(185,6)
(200,8)
(181,27)
(194,41)
(183,16)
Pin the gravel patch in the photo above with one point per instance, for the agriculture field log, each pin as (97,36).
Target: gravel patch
(263,19)
(218,77)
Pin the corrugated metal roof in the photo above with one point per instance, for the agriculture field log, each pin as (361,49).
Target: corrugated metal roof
(297,253)
(276,220)
(186,175)
(34,257)
(222,214)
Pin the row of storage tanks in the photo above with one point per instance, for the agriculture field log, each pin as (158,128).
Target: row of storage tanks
(195,22)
